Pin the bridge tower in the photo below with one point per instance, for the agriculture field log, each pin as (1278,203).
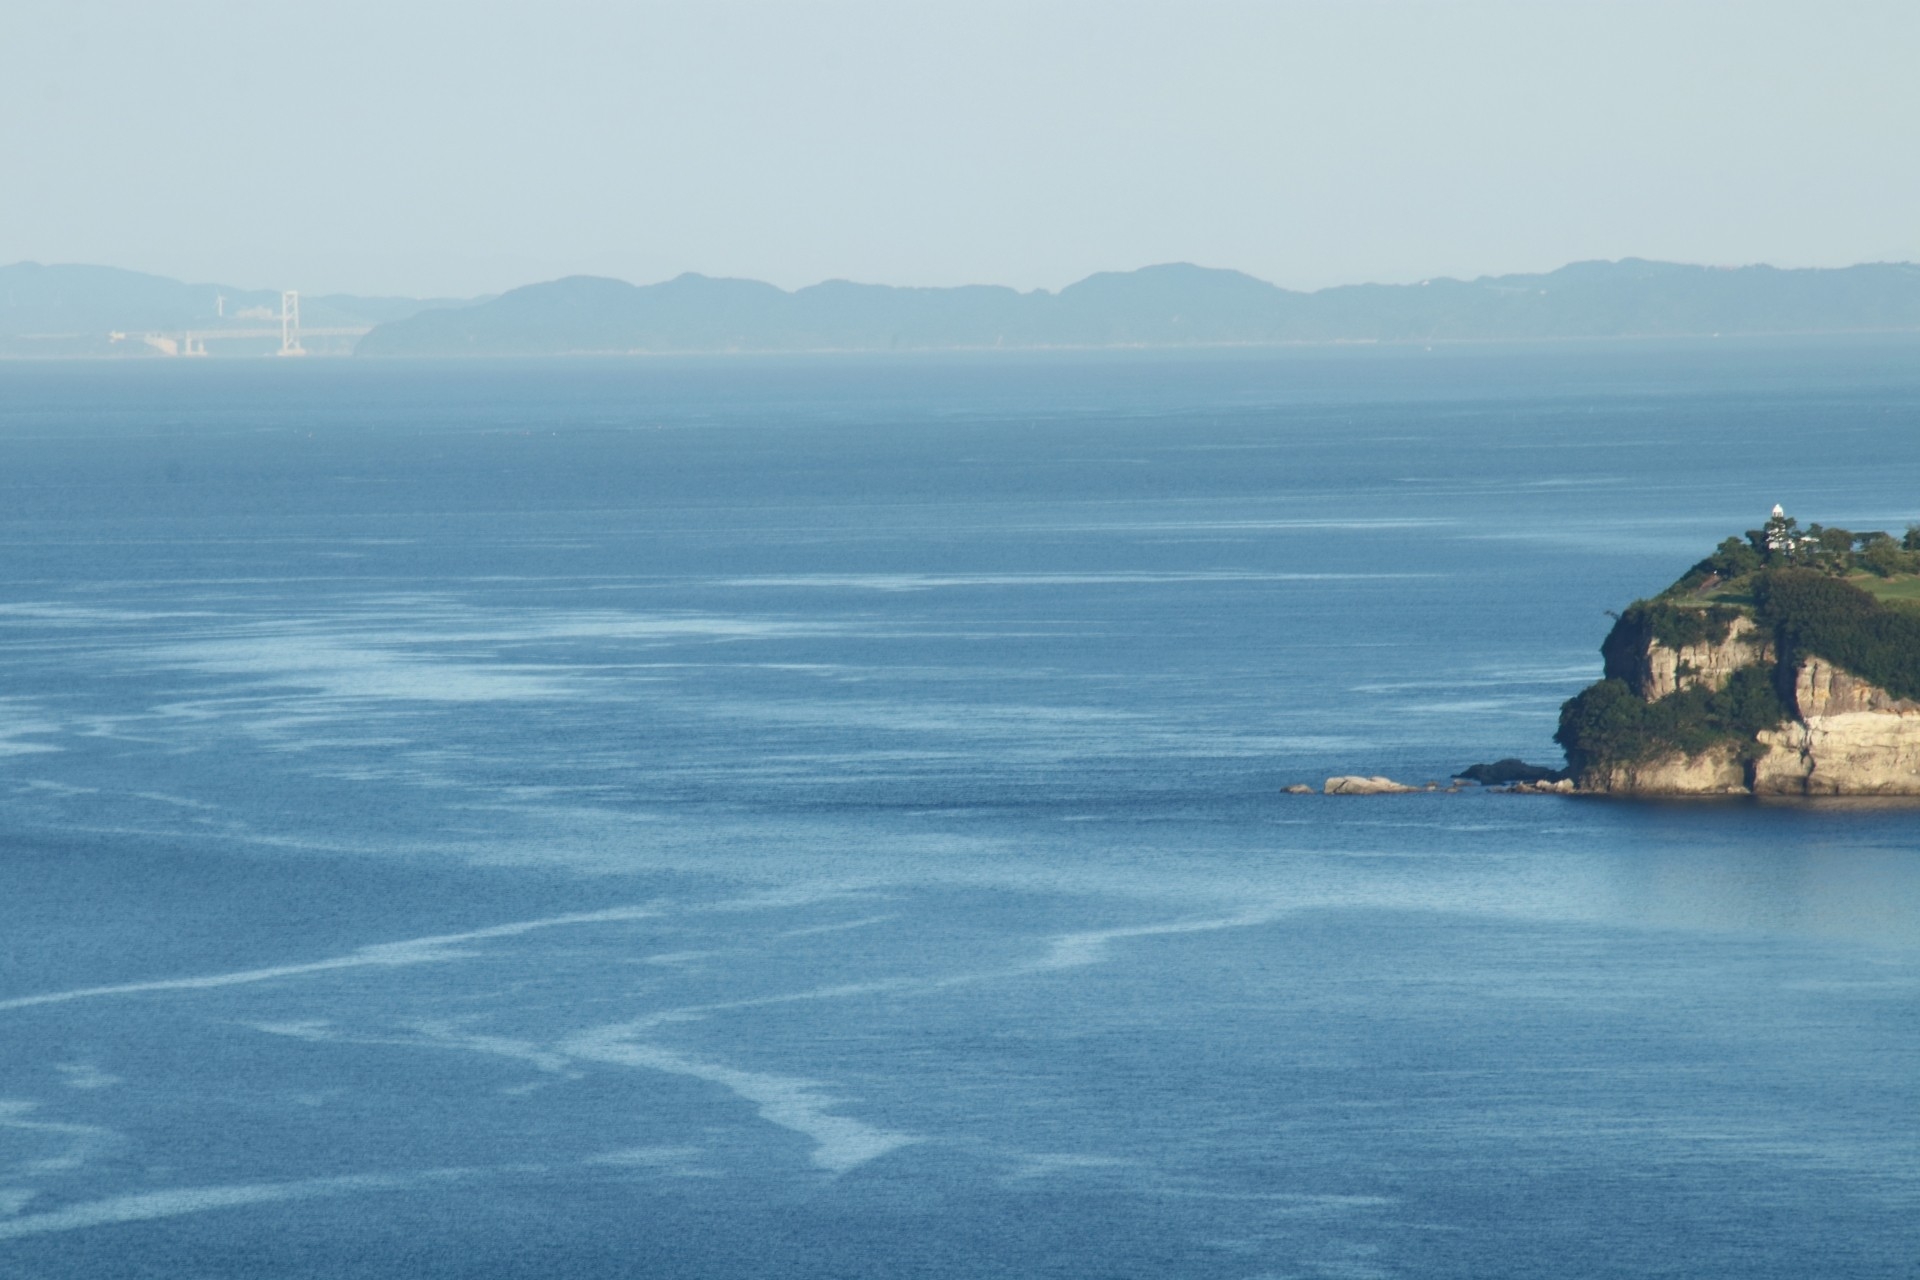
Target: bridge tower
(290,324)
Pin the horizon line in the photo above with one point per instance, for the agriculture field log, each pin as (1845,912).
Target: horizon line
(846,280)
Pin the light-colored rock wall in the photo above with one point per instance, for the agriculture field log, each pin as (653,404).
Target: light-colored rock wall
(1851,739)
(1666,671)
(1716,772)
(1353,784)
(1848,737)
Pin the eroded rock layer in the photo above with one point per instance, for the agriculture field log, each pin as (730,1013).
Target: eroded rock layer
(1851,738)
(1713,773)
(1708,665)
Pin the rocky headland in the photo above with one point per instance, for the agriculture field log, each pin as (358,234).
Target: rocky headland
(1787,663)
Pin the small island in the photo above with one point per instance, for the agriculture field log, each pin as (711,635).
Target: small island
(1787,663)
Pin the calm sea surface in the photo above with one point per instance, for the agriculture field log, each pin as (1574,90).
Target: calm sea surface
(823,819)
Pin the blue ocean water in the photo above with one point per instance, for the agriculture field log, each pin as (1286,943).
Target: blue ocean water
(824,818)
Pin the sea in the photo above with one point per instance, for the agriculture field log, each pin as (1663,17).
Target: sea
(825,818)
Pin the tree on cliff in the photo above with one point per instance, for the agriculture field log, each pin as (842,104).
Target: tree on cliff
(1732,559)
(1811,613)
(1609,724)
(1602,724)
(1881,556)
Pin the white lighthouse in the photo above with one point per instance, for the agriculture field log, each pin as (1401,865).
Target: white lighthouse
(1782,531)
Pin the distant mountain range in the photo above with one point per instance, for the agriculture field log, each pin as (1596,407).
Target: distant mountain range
(1172,305)
(1158,306)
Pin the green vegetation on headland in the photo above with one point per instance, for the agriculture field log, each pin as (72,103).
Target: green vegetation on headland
(1783,595)
(1877,562)
(1818,616)
(1608,724)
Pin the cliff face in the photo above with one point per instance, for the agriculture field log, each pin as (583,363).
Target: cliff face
(1850,738)
(1657,670)
(1785,663)
(1846,737)
(1711,773)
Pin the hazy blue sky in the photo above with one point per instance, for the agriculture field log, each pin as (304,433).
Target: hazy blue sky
(416,146)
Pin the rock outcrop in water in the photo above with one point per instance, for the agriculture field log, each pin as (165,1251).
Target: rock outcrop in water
(1787,666)
(1356,785)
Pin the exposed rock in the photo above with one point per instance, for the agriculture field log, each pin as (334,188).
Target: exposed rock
(1501,772)
(1848,737)
(1661,671)
(1548,787)
(1716,772)
(1727,682)
(1822,689)
(1355,785)
(1299,789)
(1851,739)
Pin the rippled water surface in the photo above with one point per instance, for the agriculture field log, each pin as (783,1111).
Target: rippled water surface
(824,818)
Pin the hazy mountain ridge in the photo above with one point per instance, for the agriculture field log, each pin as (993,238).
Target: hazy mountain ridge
(71,309)
(1170,305)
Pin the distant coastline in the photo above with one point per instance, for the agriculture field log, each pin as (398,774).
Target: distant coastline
(78,311)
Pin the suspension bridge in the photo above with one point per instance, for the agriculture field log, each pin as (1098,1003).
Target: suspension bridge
(285,328)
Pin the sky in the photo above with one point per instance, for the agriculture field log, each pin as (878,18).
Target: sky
(450,149)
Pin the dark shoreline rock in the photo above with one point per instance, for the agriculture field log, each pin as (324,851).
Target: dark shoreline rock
(1511,770)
